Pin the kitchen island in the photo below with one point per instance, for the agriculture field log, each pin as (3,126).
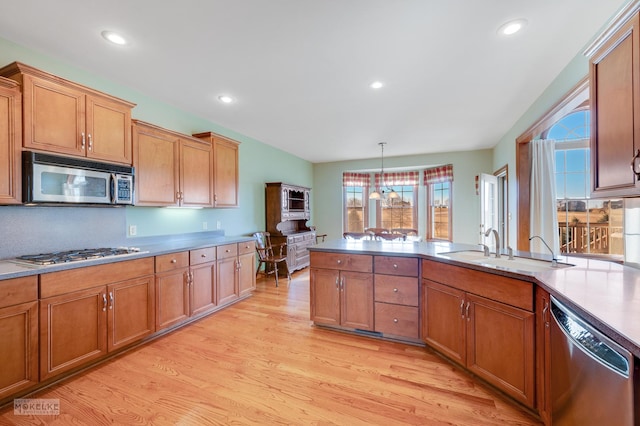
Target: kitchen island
(489,315)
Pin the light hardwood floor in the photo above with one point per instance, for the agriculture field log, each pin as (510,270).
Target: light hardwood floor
(262,362)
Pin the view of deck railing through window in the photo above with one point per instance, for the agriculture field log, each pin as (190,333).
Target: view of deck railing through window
(585,225)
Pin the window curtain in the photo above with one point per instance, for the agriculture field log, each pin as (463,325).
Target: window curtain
(543,213)
(356,179)
(438,174)
(401,179)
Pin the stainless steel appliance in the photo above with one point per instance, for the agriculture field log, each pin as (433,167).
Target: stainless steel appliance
(592,377)
(52,179)
(75,255)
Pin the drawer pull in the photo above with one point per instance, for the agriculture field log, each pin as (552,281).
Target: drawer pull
(174,261)
(227,251)
(395,290)
(203,255)
(339,261)
(395,320)
(395,266)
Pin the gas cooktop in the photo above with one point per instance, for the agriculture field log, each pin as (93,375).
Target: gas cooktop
(75,255)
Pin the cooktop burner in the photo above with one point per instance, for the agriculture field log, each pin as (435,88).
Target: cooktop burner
(75,255)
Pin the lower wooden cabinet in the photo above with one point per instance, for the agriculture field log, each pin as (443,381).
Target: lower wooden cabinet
(172,289)
(236,273)
(81,321)
(18,334)
(202,292)
(494,339)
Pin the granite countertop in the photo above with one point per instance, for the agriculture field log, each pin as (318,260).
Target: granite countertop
(605,294)
(148,247)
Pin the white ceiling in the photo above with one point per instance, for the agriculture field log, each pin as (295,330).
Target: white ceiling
(300,69)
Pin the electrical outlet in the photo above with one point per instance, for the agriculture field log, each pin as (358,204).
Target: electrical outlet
(205,226)
(133,230)
(218,225)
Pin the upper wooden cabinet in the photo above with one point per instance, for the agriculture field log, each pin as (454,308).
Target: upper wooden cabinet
(226,169)
(10,142)
(614,72)
(68,118)
(172,169)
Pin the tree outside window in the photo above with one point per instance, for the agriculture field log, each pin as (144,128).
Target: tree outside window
(355,188)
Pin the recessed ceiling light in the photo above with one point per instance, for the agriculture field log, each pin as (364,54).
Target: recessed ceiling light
(512,27)
(376,85)
(225,99)
(114,38)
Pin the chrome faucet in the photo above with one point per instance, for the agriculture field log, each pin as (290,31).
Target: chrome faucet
(497,239)
(554,261)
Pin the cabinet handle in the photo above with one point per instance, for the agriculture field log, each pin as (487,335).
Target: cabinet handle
(227,251)
(82,141)
(203,255)
(395,290)
(339,261)
(90,142)
(467,311)
(544,313)
(342,283)
(110,300)
(104,302)
(174,261)
(633,164)
(395,266)
(462,308)
(337,282)
(395,320)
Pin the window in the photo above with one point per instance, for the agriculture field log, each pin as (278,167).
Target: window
(400,212)
(355,189)
(585,225)
(439,184)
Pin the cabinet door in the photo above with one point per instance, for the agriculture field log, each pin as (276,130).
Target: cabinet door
(54,116)
(543,354)
(227,280)
(155,157)
(108,130)
(196,174)
(226,173)
(357,300)
(246,273)
(19,349)
(203,288)
(615,111)
(73,330)
(325,296)
(443,316)
(500,346)
(131,313)
(172,298)
(10,143)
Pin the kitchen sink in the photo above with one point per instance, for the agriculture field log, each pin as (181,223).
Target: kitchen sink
(522,264)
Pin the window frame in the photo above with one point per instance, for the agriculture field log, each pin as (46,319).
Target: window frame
(414,208)
(345,210)
(429,201)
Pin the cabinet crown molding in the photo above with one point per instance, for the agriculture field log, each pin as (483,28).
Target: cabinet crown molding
(621,18)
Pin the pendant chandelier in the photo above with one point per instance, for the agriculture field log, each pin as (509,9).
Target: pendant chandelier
(375,195)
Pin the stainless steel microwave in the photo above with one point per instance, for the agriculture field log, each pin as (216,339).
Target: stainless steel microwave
(52,179)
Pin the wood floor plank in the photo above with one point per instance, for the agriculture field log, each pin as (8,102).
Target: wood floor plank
(262,362)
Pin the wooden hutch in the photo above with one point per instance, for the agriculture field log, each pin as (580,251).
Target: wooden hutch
(287,212)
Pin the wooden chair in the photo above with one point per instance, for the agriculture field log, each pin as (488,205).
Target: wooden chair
(390,236)
(376,230)
(405,231)
(266,256)
(357,236)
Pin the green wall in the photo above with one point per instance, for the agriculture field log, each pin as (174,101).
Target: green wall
(259,163)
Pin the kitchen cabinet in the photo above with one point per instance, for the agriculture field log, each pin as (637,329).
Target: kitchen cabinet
(202,291)
(485,322)
(226,169)
(614,78)
(10,142)
(18,334)
(172,169)
(543,354)
(396,295)
(342,290)
(297,249)
(172,289)
(236,273)
(87,312)
(67,118)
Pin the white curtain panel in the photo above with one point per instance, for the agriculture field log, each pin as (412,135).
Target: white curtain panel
(543,214)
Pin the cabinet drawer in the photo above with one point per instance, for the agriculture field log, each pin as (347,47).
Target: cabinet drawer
(398,290)
(397,320)
(396,266)
(342,261)
(197,257)
(246,247)
(227,250)
(168,262)
(18,290)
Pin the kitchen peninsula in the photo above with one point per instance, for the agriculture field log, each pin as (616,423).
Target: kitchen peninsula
(468,309)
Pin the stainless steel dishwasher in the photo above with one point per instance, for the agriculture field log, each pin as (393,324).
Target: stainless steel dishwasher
(591,376)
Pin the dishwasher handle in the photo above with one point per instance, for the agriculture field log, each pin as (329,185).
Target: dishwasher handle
(590,341)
